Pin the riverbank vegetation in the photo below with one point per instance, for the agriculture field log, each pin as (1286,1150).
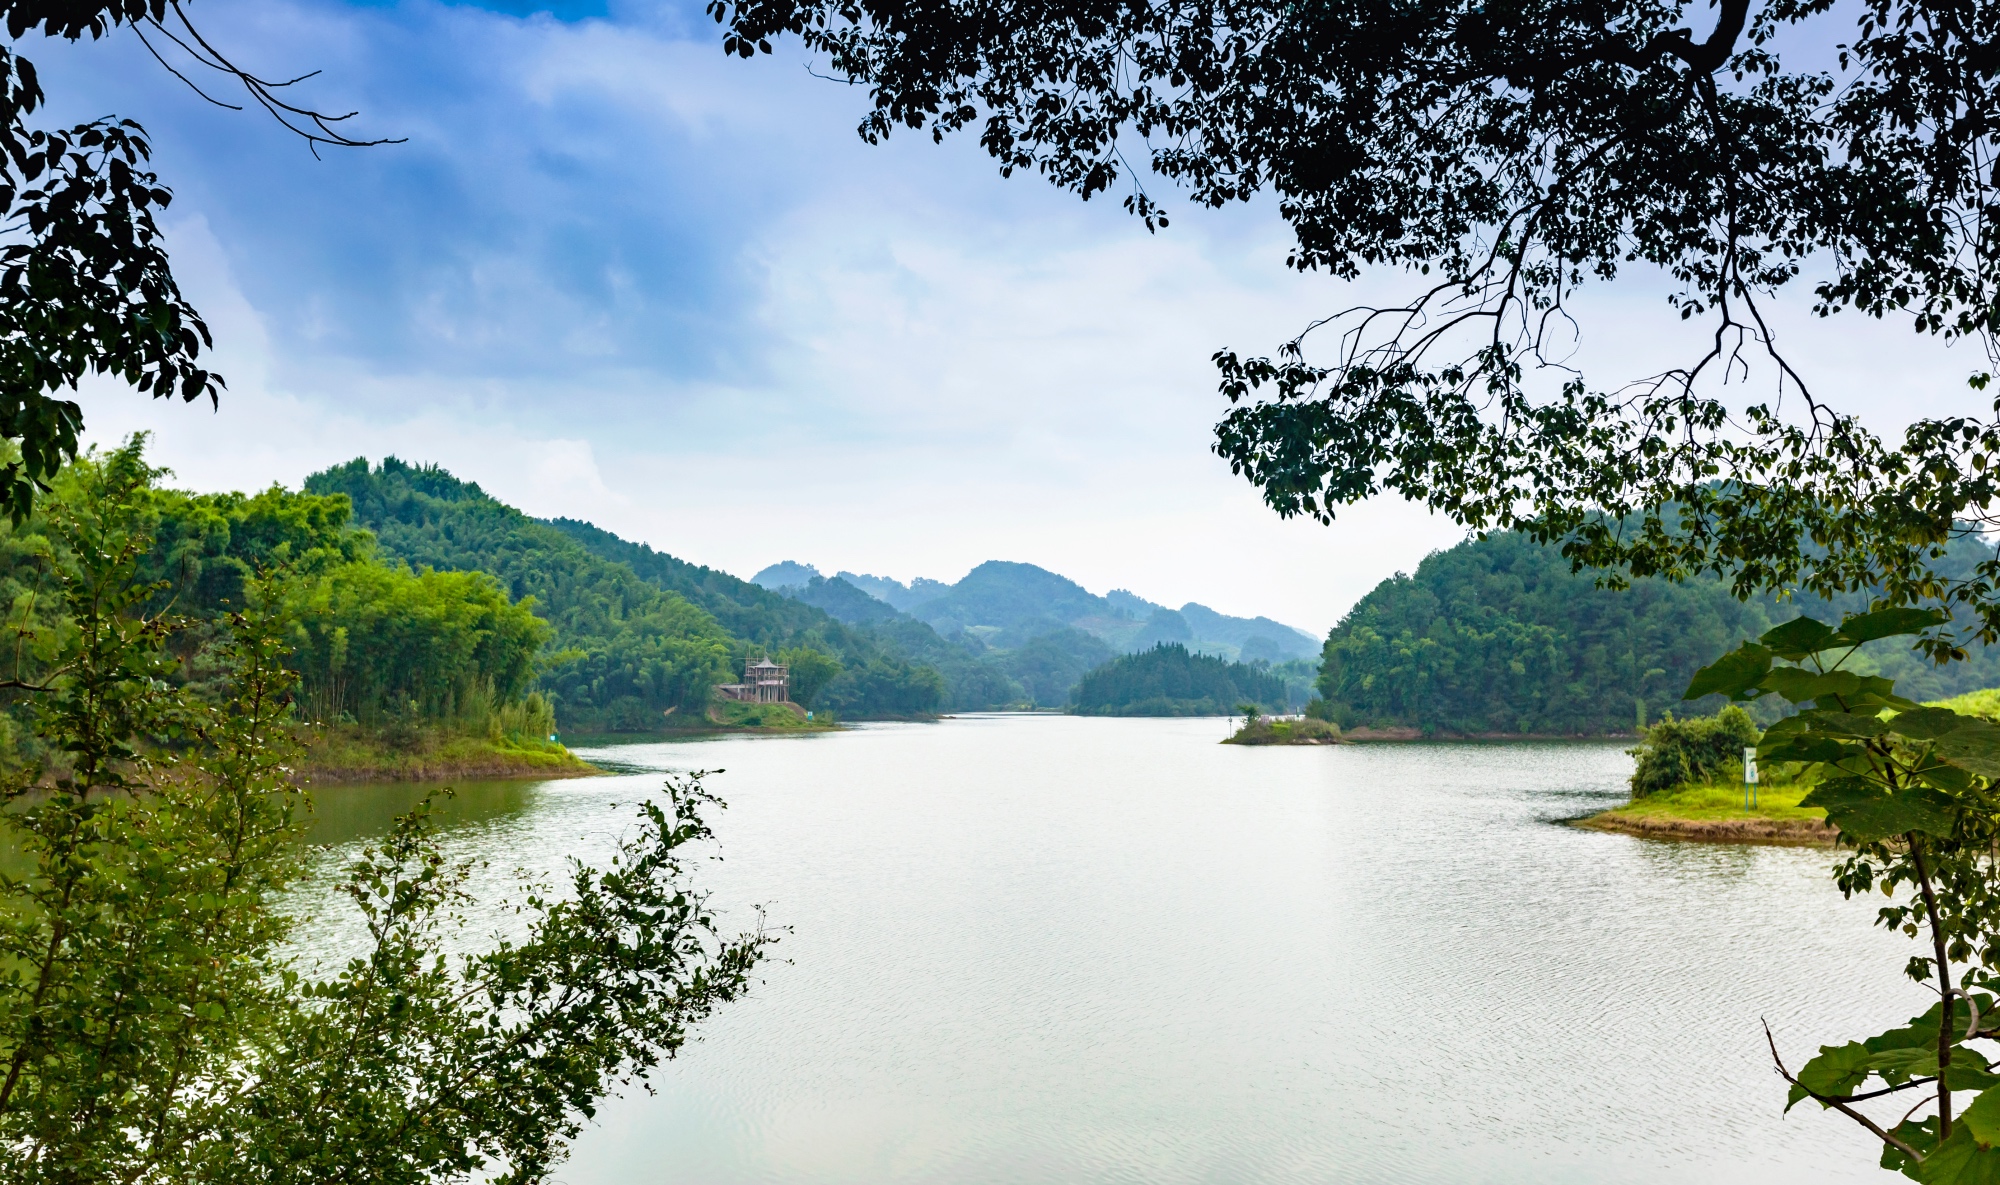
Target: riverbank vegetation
(399,672)
(1498,635)
(1688,783)
(1719,812)
(738,717)
(157,1025)
(1259,729)
(1171,680)
(1699,750)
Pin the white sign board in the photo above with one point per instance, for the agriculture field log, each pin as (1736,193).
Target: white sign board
(1750,766)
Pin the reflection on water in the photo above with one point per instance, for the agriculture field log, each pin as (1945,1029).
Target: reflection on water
(342,814)
(1042,949)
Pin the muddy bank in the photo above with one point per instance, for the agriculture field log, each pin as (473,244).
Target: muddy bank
(1748,829)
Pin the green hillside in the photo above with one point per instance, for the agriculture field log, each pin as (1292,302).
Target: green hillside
(880,676)
(625,654)
(890,660)
(1498,636)
(401,672)
(638,634)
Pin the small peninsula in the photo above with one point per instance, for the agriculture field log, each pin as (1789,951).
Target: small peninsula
(1302,730)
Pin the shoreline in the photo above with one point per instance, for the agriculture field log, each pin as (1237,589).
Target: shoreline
(1714,813)
(493,767)
(1415,734)
(1748,829)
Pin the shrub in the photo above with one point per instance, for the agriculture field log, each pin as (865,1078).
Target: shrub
(1687,752)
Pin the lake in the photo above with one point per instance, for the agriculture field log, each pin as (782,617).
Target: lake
(1030,949)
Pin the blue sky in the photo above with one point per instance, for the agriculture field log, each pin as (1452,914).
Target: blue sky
(614,274)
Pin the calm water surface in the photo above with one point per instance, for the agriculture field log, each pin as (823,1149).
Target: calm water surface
(1049,949)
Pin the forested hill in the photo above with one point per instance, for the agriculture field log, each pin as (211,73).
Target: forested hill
(894,668)
(884,652)
(1498,636)
(1170,680)
(627,647)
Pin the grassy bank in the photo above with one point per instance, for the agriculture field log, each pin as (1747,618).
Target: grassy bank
(1265,731)
(352,753)
(1715,814)
(766,718)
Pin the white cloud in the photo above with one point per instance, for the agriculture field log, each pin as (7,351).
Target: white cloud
(631,281)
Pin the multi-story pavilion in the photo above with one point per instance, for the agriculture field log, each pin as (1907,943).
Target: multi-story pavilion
(764,682)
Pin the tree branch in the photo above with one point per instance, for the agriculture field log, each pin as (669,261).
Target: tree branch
(1836,1103)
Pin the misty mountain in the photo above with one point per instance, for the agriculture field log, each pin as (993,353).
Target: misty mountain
(837,598)
(895,592)
(1003,606)
(785,574)
(1131,604)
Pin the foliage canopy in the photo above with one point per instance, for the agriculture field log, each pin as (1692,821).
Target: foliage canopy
(154,1026)
(1911,791)
(1509,154)
(1171,680)
(1692,751)
(1499,635)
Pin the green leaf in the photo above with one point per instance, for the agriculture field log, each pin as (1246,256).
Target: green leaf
(1920,1033)
(1965,1074)
(1898,1066)
(1983,1117)
(1974,745)
(1946,777)
(1961,1159)
(1807,748)
(1918,1134)
(1837,1072)
(1968,1069)
(1865,811)
(1925,724)
(1735,674)
(1789,726)
(1846,724)
(1799,685)
(1867,700)
(1800,637)
(1888,623)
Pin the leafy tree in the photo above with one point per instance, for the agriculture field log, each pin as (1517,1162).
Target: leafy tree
(1694,751)
(1170,680)
(373,639)
(811,671)
(153,1024)
(1507,155)
(371,642)
(85,284)
(1911,792)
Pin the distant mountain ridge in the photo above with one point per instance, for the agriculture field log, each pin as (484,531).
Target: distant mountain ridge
(640,635)
(1003,605)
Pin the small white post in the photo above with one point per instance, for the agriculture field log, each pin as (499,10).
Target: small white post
(1749,777)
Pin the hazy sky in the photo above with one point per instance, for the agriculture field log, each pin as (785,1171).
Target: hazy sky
(615,275)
